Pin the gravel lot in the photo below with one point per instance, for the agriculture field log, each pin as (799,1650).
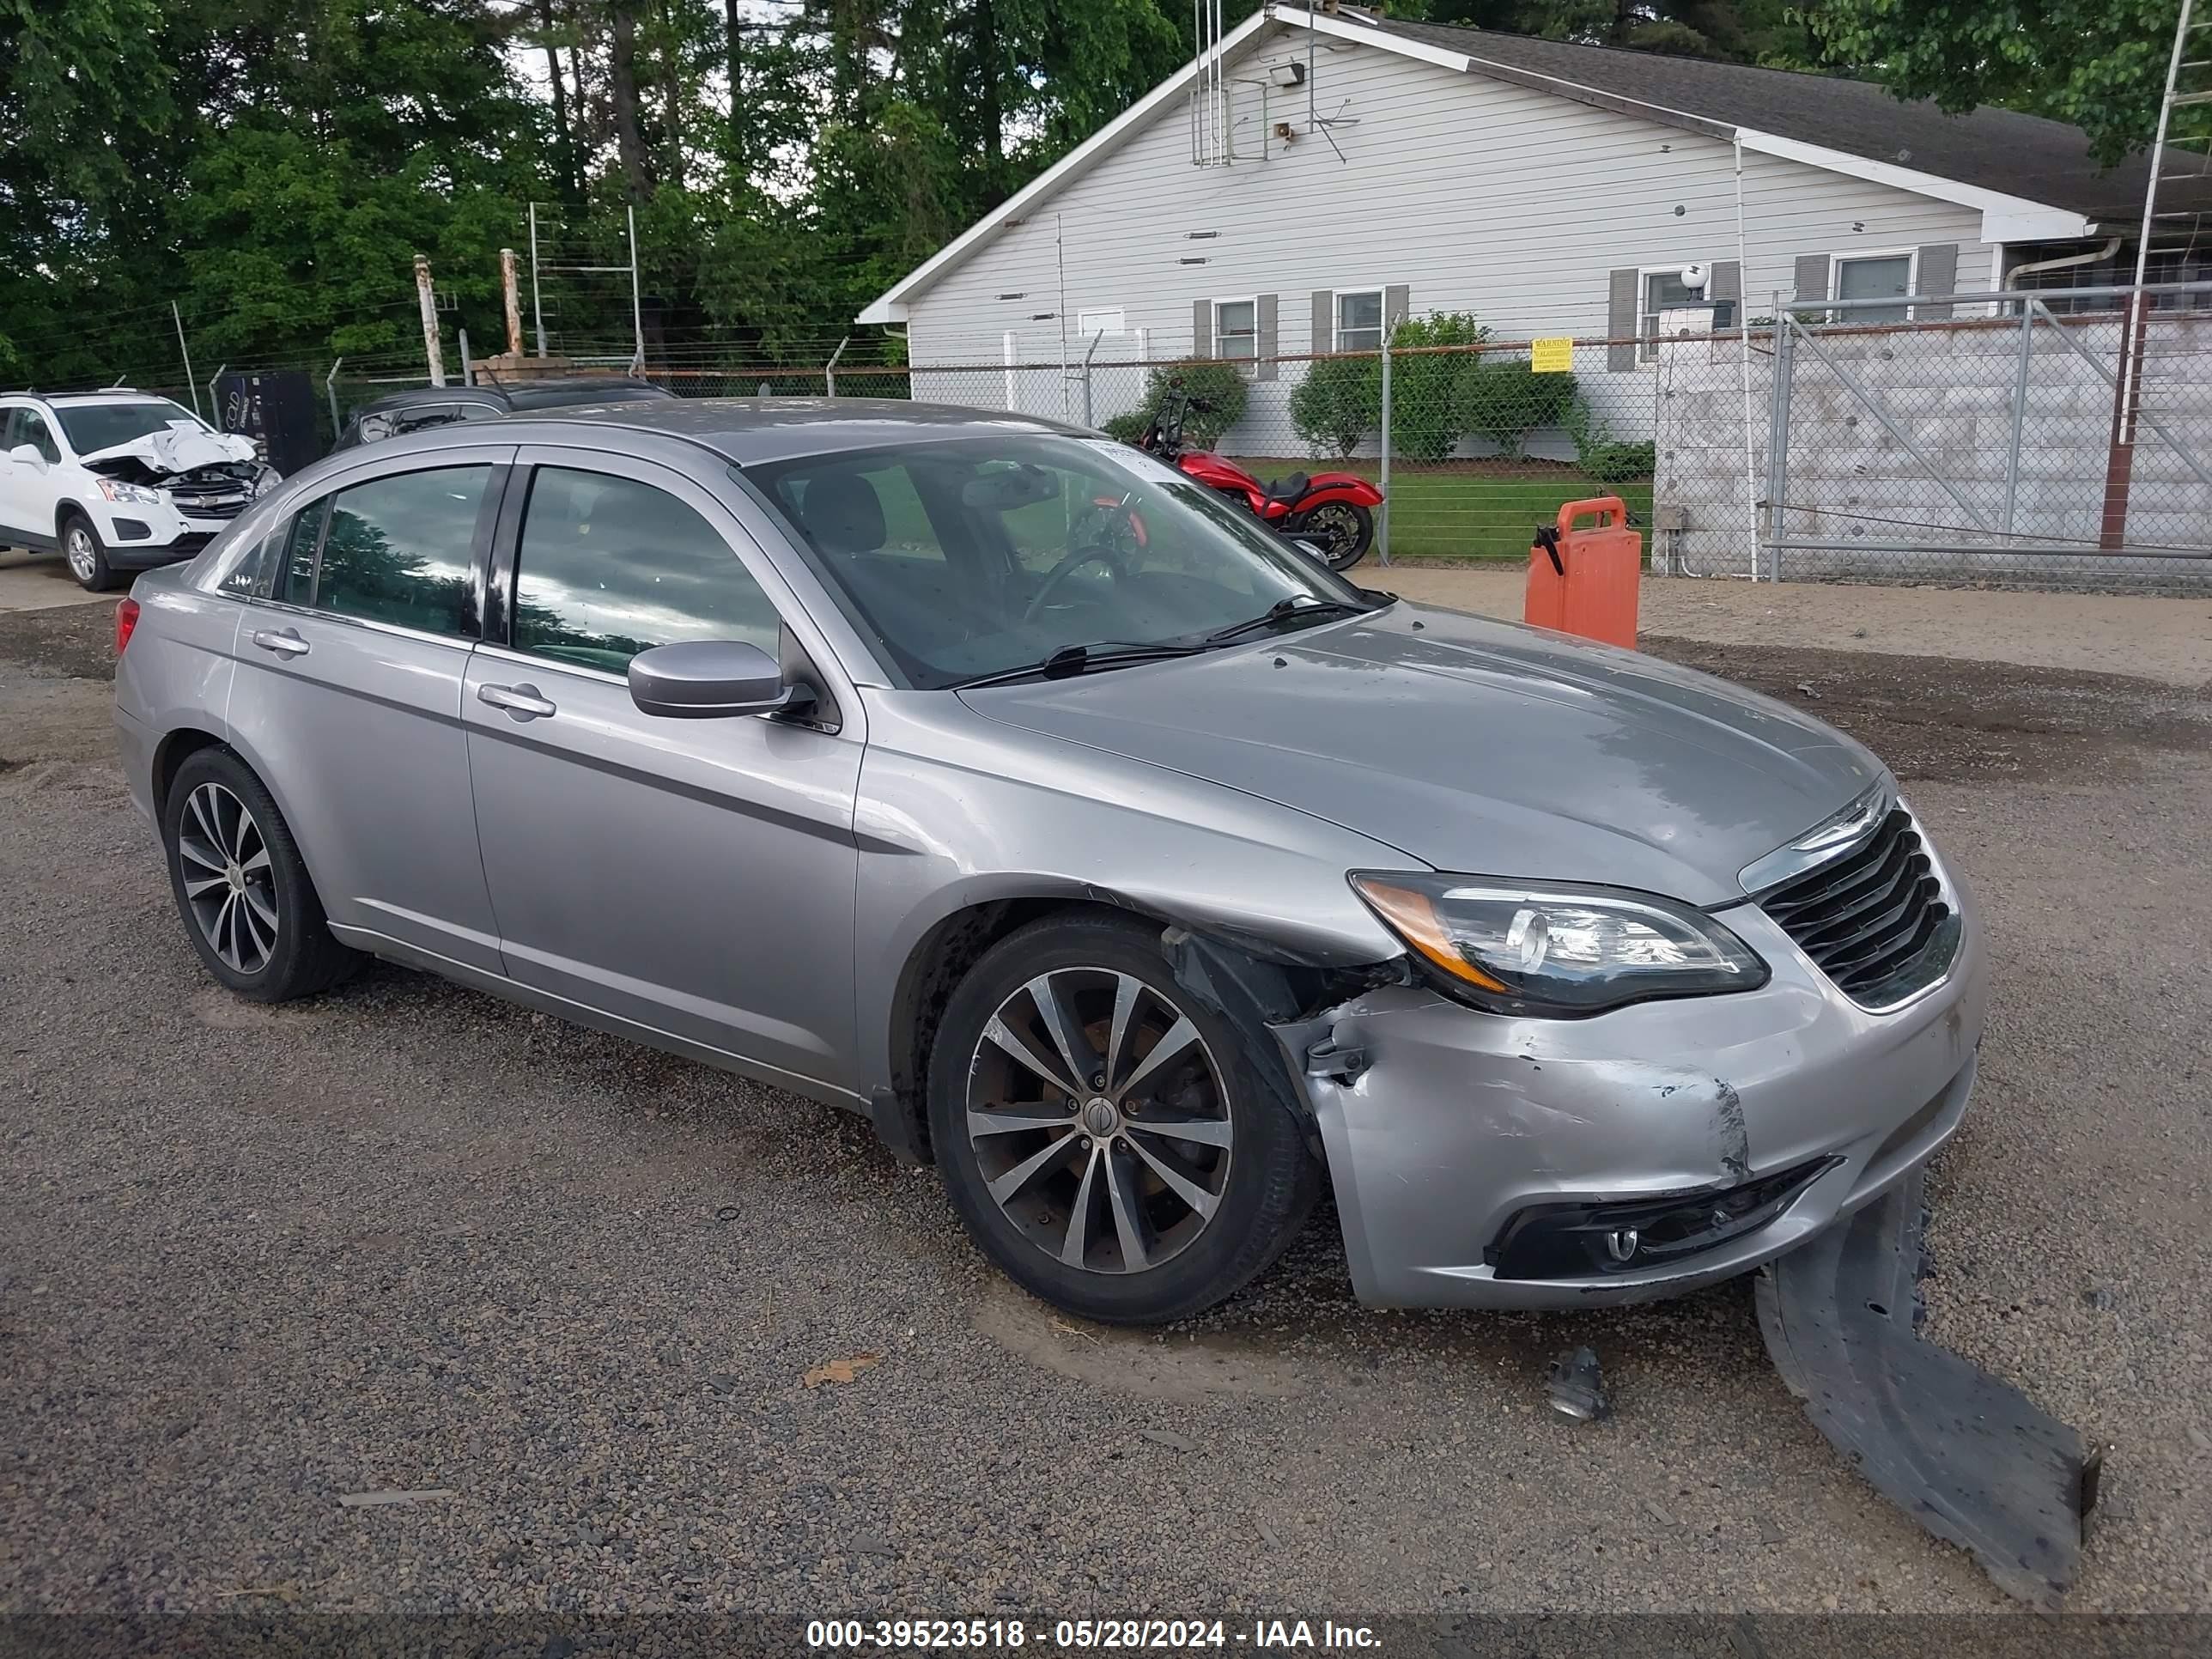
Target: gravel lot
(408,1236)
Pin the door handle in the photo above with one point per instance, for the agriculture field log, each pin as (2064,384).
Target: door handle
(283,642)
(521,702)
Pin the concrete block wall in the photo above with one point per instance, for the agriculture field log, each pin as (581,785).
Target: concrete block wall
(1948,389)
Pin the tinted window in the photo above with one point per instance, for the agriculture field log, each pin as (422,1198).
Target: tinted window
(608,567)
(401,550)
(102,426)
(425,415)
(296,581)
(32,430)
(244,578)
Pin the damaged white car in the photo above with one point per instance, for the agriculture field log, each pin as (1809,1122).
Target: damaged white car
(118,481)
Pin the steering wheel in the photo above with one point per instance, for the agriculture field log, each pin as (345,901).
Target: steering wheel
(1067,567)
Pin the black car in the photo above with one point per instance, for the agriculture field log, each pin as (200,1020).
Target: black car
(441,405)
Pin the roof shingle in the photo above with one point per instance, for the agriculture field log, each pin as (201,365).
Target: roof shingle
(2023,155)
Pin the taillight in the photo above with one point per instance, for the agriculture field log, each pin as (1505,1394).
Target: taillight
(126,618)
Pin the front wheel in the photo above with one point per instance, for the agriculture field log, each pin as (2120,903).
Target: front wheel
(1105,1136)
(1344,531)
(86,555)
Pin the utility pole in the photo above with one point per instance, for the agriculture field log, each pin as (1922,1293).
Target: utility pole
(188,351)
(636,309)
(432,350)
(537,308)
(506,288)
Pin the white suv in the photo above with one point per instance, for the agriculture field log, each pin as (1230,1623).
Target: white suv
(117,480)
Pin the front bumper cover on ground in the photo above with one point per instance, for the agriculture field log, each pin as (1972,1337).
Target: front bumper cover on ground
(1968,1457)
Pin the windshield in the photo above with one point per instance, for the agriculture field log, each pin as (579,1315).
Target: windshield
(93,426)
(975,556)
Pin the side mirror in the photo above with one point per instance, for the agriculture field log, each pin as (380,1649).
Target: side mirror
(709,679)
(27,455)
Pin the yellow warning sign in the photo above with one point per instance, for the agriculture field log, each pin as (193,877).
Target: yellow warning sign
(1555,356)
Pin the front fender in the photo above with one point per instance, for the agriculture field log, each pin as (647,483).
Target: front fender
(956,810)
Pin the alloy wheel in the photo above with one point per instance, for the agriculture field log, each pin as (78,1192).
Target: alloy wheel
(1335,526)
(1098,1120)
(80,553)
(228,878)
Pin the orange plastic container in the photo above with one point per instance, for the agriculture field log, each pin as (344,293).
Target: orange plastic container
(1585,581)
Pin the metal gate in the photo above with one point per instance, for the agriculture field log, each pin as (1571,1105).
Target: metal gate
(2043,437)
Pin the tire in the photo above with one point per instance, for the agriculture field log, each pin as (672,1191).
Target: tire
(1205,1115)
(254,918)
(1344,531)
(86,555)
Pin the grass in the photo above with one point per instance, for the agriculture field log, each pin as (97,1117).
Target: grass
(1473,509)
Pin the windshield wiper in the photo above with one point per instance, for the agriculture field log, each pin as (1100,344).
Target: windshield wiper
(1283,610)
(1072,660)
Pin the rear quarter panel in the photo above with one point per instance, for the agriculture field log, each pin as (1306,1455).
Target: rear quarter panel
(176,673)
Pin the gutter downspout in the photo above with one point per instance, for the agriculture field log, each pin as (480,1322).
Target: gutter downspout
(2111,246)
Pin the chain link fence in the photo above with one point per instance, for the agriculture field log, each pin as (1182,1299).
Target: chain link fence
(2050,439)
(2045,438)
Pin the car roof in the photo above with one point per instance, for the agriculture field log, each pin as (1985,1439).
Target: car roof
(413,396)
(530,394)
(520,394)
(752,431)
(121,394)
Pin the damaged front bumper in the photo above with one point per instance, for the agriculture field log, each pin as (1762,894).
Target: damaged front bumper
(1763,1117)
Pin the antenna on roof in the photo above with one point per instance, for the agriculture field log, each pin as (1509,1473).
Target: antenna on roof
(1210,143)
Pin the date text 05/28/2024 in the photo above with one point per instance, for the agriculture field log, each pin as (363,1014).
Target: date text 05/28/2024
(1155,1635)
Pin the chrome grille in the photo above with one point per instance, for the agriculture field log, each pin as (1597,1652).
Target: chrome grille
(1877,920)
(215,498)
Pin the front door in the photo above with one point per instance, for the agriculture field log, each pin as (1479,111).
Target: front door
(697,876)
(347,702)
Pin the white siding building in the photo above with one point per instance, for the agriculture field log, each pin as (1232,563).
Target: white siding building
(1352,169)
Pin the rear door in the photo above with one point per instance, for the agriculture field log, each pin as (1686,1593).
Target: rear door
(27,489)
(695,876)
(348,696)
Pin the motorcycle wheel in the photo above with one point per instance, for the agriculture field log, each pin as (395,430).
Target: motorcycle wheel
(1341,530)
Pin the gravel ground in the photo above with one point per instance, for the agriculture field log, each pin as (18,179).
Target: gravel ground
(2168,640)
(408,1236)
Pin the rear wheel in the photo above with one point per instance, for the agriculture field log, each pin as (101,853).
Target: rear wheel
(1105,1136)
(240,886)
(86,555)
(1344,531)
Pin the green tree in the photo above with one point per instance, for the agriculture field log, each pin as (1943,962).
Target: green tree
(1771,32)
(2098,64)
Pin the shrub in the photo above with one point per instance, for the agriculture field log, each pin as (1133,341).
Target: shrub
(1505,400)
(1617,464)
(1338,404)
(1425,414)
(1216,393)
(1127,428)
(1602,456)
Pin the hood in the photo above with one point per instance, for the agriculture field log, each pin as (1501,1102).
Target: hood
(179,446)
(1478,747)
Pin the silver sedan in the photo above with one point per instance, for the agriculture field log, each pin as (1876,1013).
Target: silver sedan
(994,781)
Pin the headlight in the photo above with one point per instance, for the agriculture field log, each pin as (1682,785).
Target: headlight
(265,481)
(1515,947)
(130,493)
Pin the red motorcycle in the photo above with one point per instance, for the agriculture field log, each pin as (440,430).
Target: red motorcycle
(1329,511)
